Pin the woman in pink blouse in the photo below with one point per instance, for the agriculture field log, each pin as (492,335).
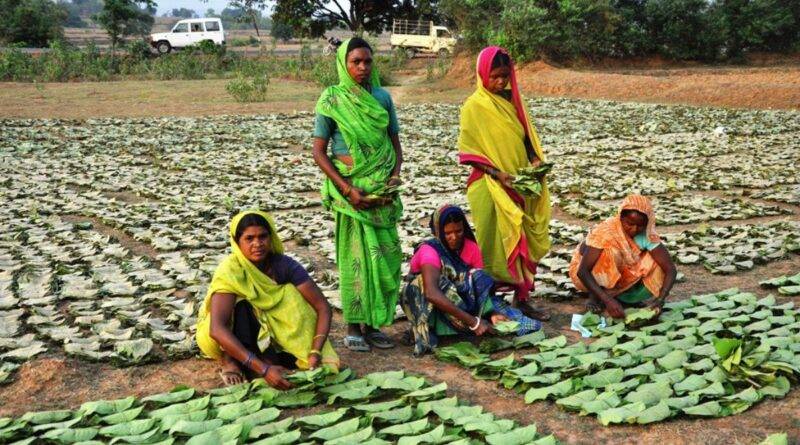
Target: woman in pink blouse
(447,292)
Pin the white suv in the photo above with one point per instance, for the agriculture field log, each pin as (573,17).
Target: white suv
(189,32)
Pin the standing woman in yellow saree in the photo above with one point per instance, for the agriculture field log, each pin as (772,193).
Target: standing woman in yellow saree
(358,116)
(497,140)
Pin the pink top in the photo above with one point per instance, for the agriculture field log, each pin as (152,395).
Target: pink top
(470,255)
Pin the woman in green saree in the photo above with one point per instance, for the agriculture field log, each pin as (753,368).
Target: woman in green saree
(358,116)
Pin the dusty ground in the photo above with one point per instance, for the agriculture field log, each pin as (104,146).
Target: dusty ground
(743,87)
(138,98)
(54,381)
(776,86)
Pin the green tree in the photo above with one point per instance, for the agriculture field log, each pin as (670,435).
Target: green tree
(74,19)
(281,31)
(183,13)
(631,37)
(420,10)
(31,22)
(312,18)
(684,29)
(759,25)
(475,19)
(251,11)
(122,18)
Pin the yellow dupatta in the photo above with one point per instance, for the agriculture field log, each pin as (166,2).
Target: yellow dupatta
(492,134)
(284,315)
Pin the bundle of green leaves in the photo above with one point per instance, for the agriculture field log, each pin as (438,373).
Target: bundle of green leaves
(528,180)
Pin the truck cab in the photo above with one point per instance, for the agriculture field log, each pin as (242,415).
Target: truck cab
(189,32)
(415,36)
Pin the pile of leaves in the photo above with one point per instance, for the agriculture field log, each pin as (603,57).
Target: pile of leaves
(786,285)
(379,408)
(708,356)
(528,180)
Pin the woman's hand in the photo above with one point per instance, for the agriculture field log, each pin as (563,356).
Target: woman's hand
(274,377)
(314,360)
(656,303)
(498,318)
(483,328)
(614,308)
(357,199)
(536,162)
(506,179)
(394,181)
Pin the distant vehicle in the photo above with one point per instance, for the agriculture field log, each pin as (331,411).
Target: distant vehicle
(332,46)
(415,36)
(189,32)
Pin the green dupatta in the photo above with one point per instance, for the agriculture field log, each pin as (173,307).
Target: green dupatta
(368,249)
(363,123)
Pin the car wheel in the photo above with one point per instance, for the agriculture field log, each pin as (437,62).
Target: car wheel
(164,47)
(410,53)
(443,52)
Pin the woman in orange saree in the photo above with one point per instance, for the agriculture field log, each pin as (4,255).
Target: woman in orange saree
(623,261)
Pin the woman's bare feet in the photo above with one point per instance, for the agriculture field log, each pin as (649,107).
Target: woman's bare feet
(230,372)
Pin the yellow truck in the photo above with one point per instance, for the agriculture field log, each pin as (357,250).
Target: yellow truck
(417,36)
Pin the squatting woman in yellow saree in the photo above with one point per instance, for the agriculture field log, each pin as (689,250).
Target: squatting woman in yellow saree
(497,140)
(358,117)
(263,314)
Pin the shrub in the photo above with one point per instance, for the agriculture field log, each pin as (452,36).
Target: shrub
(210,48)
(324,72)
(139,50)
(248,89)
(241,41)
(436,69)
(67,63)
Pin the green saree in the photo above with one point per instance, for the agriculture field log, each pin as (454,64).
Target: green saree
(368,250)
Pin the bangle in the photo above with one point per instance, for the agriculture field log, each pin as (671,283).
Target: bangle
(319,336)
(313,352)
(347,191)
(477,324)
(249,359)
(266,370)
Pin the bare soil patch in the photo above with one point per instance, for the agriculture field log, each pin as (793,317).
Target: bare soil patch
(125,240)
(146,98)
(776,86)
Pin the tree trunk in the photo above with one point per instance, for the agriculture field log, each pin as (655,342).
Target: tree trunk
(255,24)
(113,54)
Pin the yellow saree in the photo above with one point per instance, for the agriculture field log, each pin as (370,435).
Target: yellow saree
(511,229)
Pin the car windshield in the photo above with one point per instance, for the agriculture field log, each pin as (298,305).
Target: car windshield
(181,27)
